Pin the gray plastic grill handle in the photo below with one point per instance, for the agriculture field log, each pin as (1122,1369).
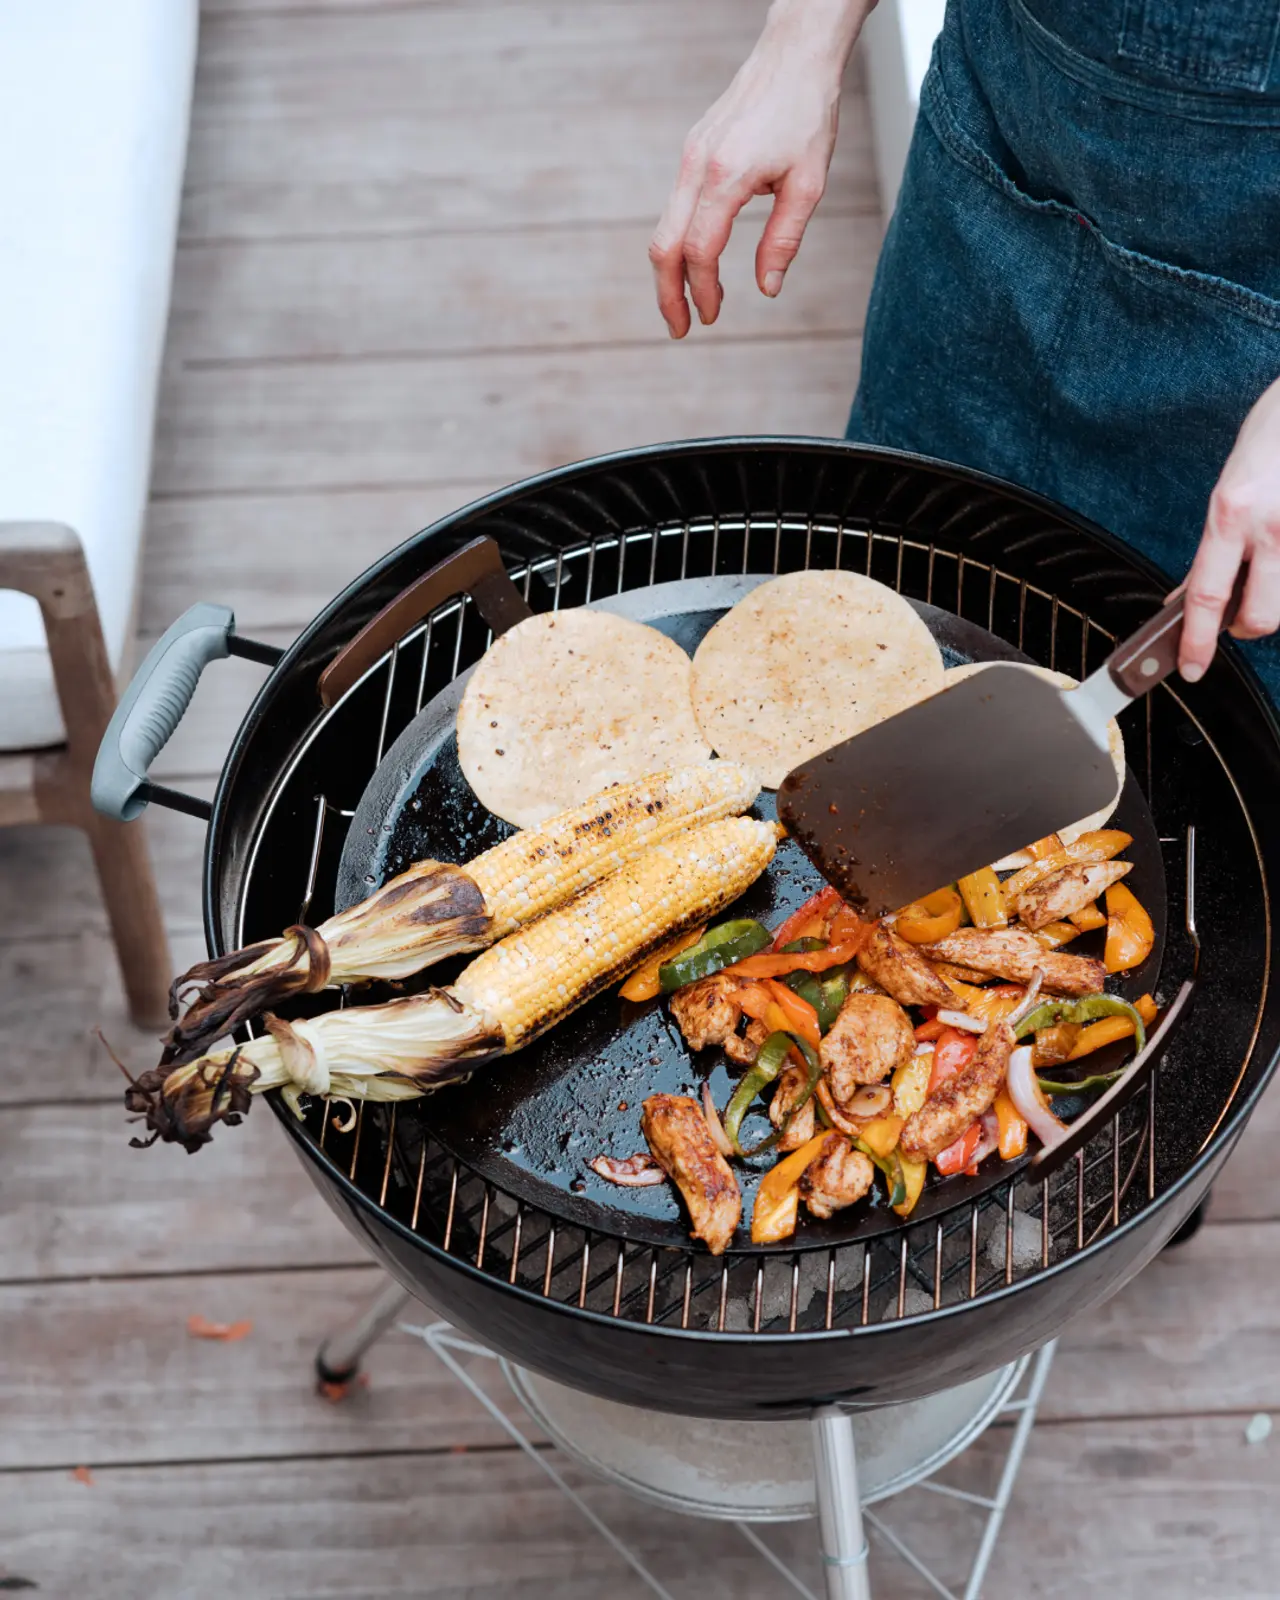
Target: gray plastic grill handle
(153,705)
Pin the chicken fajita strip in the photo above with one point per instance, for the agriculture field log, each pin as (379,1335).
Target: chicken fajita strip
(961,1099)
(1014,954)
(676,1133)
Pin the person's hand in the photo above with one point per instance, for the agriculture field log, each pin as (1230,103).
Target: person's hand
(772,132)
(1243,525)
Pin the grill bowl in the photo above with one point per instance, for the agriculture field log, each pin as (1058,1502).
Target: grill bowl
(931,1304)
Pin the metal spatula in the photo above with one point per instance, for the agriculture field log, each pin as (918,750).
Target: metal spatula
(974,773)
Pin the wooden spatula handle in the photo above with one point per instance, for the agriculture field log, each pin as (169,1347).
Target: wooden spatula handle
(1150,655)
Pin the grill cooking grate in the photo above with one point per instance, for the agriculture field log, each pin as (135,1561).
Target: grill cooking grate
(1006,1236)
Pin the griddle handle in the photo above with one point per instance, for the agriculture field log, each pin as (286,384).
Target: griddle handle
(1109,1105)
(1151,655)
(476,569)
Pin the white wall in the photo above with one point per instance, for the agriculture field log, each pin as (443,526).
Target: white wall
(897,41)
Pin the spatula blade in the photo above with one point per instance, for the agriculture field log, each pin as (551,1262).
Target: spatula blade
(982,769)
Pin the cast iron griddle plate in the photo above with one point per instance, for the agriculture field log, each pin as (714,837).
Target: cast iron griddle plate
(530,1123)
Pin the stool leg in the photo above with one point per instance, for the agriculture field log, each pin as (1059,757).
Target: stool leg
(338,1358)
(835,1471)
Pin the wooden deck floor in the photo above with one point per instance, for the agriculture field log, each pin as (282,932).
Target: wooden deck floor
(412,267)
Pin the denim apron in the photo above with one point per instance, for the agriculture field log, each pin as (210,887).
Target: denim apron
(1080,286)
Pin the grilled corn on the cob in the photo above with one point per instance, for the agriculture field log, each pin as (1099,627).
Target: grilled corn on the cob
(434,910)
(502,1000)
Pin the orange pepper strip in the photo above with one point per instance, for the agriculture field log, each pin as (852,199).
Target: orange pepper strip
(1047,846)
(847,927)
(767,965)
(930,1030)
(1055,934)
(1147,1009)
(1100,845)
(643,983)
(1012,1128)
(1089,917)
(802,1018)
(815,909)
(928,920)
(1098,1034)
(1130,935)
(773,1216)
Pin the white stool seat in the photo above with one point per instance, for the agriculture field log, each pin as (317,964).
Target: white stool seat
(94,104)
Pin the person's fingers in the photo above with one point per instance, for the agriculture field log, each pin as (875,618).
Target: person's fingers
(1209,585)
(666,248)
(799,193)
(719,203)
(1259,612)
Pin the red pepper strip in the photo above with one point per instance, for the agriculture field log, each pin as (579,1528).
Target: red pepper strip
(768,965)
(933,1029)
(817,905)
(953,1051)
(799,1013)
(956,1157)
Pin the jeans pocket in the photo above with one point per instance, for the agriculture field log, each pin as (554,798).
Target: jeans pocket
(1215,44)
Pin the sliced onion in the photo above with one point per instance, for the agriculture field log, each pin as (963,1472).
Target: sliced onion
(1028,1097)
(989,1139)
(1028,1000)
(629,1172)
(962,1019)
(925,1047)
(873,1100)
(715,1127)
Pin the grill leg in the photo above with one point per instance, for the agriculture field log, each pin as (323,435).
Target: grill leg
(338,1358)
(835,1471)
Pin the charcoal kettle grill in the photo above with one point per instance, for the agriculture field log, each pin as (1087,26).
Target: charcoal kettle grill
(987,1273)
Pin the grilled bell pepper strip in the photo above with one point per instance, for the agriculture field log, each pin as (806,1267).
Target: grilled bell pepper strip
(643,984)
(1098,1080)
(984,898)
(1100,845)
(928,920)
(1088,918)
(1011,1127)
(777,966)
(891,1166)
(913,1174)
(1055,934)
(720,947)
(882,1133)
(833,991)
(1090,1009)
(1130,934)
(957,1156)
(818,907)
(1100,1034)
(802,1018)
(777,1202)
(768,1064)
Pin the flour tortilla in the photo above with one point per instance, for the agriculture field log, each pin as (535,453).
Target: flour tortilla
(1115,738)
(806,661)
(569,703)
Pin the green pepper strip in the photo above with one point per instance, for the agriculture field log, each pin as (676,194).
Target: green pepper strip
(1089,1009)
(1099,1080)
(804,946)
(891,1166)
(768,1064)
(833,991)
(719,947)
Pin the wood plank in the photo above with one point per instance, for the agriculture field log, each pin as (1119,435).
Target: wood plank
(277,560)
(394,119)
(1249,1188)
(76,1201)
(1185,1336)
(47,882)
(474,294)
(1174,1509)
(487,1526)
(412,421)
(105,1372)
(48,1050)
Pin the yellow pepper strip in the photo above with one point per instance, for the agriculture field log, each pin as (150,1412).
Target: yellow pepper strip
(1011,1127)
(1047,846)
(882,1133)
(913,1175)
(1098,1034)
(930,919)
(1089,848)
(994,1005)
(1130,935)
(777,1202)
(1089,917)
(643,983)
(968,995)
(911,1084)
(984,898)
(1055,934)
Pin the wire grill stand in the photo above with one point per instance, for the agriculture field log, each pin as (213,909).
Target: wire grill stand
(843,1543)
(965,1254)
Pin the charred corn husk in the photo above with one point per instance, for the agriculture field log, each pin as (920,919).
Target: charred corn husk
(502,1000)
(435,910)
